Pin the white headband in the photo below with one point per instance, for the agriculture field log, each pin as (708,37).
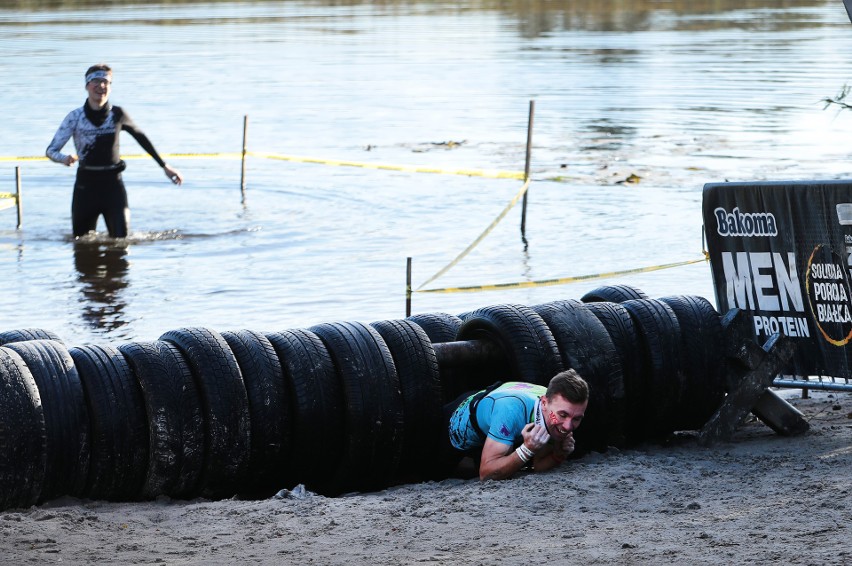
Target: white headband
(98,75)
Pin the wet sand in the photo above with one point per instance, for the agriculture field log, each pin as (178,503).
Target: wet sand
(760,498)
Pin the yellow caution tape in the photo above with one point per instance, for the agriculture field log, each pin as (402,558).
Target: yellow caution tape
(135,156)
(487,231)
(227,155)
(12,158)
(8,195)
(492,174)
(562,281)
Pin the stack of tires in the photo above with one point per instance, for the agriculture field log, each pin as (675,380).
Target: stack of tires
(655,366)
(340,407)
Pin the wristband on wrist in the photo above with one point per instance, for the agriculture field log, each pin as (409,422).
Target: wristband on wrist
(524,453)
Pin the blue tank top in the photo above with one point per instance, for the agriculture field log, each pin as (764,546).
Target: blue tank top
(501,415)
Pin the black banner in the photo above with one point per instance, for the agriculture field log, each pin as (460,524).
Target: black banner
(782,252)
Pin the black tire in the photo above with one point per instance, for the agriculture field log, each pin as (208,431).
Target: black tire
(316,408)
(23,438)
(704,359)
(66,418)
(614,294)
(118,424)
(224,401)
(586,347)
(443,327)
(659,334)
(374,410)
(174,419)
(621,330)
(439,326)
(26,334)
(269,411)
(422,398)
(523,337)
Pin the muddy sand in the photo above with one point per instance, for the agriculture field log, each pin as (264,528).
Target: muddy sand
(760,498)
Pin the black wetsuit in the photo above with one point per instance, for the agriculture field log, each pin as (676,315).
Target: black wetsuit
(99,188)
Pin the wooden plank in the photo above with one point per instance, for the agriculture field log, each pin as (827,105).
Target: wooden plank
(739,340)
(740,400)
(779,415)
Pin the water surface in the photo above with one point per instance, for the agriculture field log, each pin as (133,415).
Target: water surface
(677,94)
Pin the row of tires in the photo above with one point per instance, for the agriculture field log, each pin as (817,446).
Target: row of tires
(340,407)
(654,366)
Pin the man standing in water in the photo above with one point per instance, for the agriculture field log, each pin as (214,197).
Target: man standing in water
(517,425)
(95,127)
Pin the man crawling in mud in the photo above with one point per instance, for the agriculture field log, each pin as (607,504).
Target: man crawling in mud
(516,425)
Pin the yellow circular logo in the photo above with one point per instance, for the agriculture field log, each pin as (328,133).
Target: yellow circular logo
(828,289)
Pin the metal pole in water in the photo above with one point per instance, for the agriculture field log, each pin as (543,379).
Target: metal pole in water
(527,169)
(18,202)
(407,287)
(243,164)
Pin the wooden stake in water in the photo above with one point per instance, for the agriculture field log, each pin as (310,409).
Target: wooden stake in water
(527,170)
(18,202)
(243,164)
(408,287)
